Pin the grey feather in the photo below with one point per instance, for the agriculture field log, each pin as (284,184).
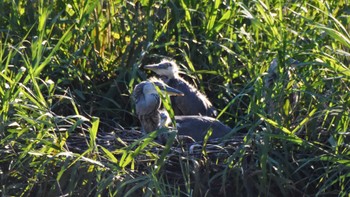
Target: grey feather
(147,103)
(193,102)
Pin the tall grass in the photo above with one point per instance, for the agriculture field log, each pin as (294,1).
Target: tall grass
(68,69)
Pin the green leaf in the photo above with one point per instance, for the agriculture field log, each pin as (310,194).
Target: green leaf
(110,156)
(304,121)
(223,20)
(95,121)
(335,35)
(275,124)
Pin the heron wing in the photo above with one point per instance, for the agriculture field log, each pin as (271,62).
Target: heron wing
(193,102)
(198,126)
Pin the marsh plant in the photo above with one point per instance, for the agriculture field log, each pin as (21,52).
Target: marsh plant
(277,71)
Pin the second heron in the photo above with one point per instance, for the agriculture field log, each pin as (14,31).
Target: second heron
(147,105)
(193,102)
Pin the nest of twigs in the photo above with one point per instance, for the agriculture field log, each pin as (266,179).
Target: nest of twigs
(182,146)
(184,156)
(216,150)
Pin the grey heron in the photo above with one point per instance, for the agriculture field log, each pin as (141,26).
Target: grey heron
(146,98)
(193,102)
(147,103)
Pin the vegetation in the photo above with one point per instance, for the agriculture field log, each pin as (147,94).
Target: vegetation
(68,69)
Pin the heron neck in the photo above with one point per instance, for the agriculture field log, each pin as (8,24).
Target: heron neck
(175,75)
(150,122)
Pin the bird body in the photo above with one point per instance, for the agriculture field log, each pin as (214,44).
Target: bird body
(198,126)
(147,103)
(193,102)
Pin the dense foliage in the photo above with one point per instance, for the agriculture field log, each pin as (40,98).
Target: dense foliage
(68,68)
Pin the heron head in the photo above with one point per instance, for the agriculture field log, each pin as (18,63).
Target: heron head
(147,88)
(165,68)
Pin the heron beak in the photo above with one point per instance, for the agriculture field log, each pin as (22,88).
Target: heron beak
(155,66)
(169,90)
(174,92)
